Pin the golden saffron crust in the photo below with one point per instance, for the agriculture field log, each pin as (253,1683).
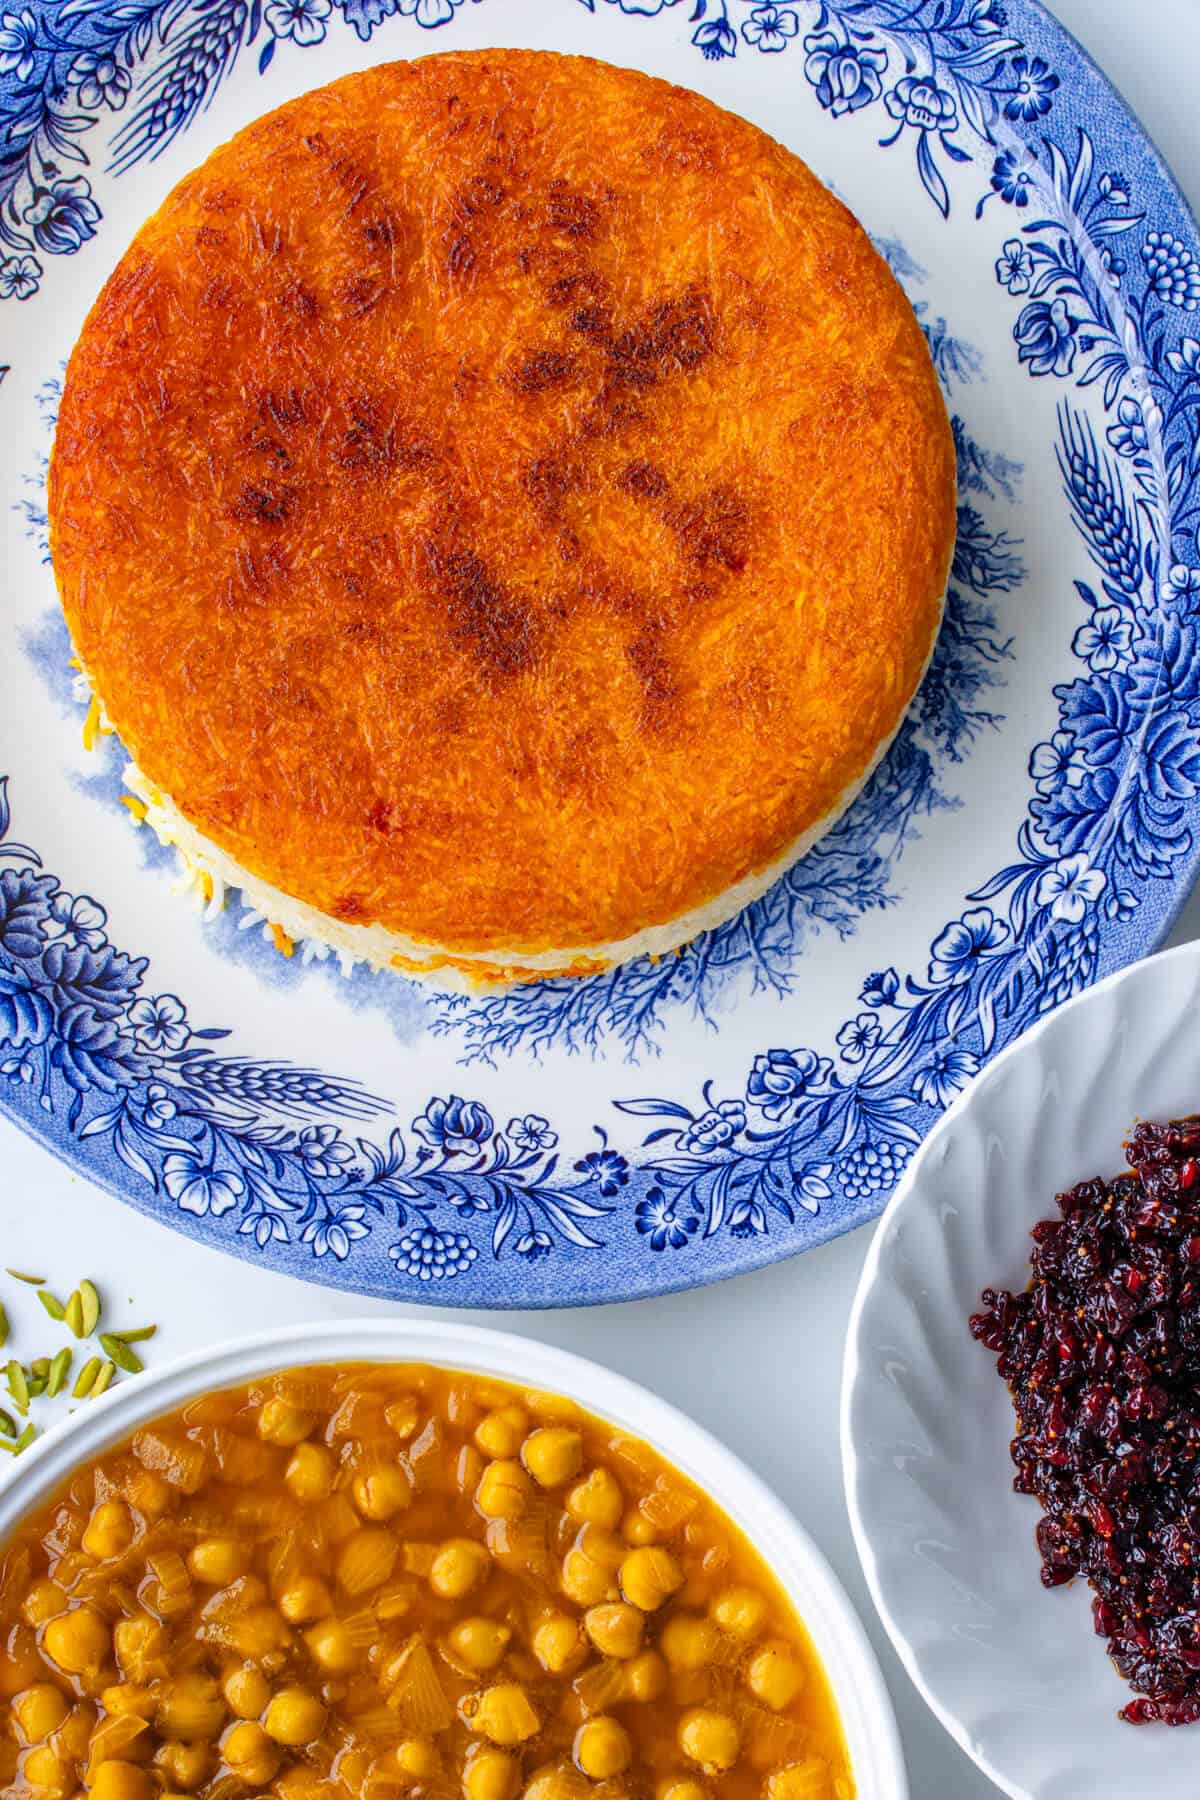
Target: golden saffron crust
(503,498)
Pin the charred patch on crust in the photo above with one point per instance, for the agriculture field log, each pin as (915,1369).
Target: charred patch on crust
(264,502)
(571,212)
(648,658)
(644,479)
(543,370)
(548,480)
(496,626)
(714,528)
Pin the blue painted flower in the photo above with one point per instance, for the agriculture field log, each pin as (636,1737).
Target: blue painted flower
(769,28)
(606,1168)
(454,1126)
(75,920)
(1056,764)
(430,1255)
(1121,904)
(323,1150)
(780,1078)
(1173,270)
(944,1076)
(858,1037)
(161,1023)
(747,1218)
(160,1106)
(657,1219)
(714,1129)
(1129,436)
(1034,93)
(917,100)
(847,77)
(265,1228)
(813,1186)
(532,1133)
(881,988)
(957,953)
(1070,887)
(429,14)
(533,1245)
(1186,360)
(334,1235)
(18,44)
(1014,270)
(19,277)
(1182,582)
(200,1190)
(1013,174)
(1105,640)
(1113,186)
(100,80)
(301,20)
(715,39)
(1046,335)
(62,216)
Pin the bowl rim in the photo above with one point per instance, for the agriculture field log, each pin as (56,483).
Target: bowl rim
(802,1570)
(871,1277)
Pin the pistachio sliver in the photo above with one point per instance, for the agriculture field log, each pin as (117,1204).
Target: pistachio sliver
(31,1280)
(119,1352)
(26,1438)
(53,1305)
(18,1385)
(8,1425)
(90,1301)
(60,1368)
(85,1379)
(135,1337)
(107,1371)
(3,1328)
(73,1313)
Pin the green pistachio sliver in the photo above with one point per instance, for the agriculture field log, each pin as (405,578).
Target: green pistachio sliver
(120,1353)
(3,1327)
(90,1300)
(8,1425)
(135,1337)
(73,1313)
(26,1438)
(108,1370)
(85,1379)
(18,1385)
(53,1305)
(31,1280)
(37,1386)
(60,1368)
(40,1366)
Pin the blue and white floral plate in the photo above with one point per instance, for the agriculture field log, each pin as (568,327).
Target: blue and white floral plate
(1034,826)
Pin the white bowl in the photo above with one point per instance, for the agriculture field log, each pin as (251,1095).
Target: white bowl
(1014,1672)
(866,1711)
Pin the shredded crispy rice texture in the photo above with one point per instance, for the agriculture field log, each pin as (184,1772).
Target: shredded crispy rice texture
(503,500)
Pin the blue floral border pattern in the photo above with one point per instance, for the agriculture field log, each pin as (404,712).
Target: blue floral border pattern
(144,1093)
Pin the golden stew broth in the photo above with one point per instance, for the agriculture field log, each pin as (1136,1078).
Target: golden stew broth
(393,1581)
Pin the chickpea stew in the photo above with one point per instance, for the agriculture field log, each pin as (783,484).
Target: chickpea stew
(392,1581)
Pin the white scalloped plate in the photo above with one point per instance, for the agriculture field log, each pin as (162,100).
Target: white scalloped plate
(1014,1673)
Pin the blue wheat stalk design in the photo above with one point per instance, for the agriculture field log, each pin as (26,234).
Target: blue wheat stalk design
(234,1082)
(186,79)
(1098,503)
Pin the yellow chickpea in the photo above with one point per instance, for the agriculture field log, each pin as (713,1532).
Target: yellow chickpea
(184,1766)
(250,1753)
(807,1780)
(615,1628)
(279,1422)
(330,1647)
(490,1774)
(109,1531)
(602,1748)
(597,1500)
(127,1699)
(709,1738)
(502,1432)
(38,1711)
(417,1758)
(774,1676)
(46,1772)
(480,1643)
(558,1643)
(218,1561)
(77,1641)
(45,1600)
(741,1611)
(646,1676)
(246,1692)
(680,1787)
(502,1714)
(294,1717)
(139,1644)
(650,1575)
(459,1566)
(637,1528)
(121,1781)
(383,1492)
(688,1642)
(148,1493)
(307,1598)
(309,1474)
(552,1454)
(584,1581)
(503,1491)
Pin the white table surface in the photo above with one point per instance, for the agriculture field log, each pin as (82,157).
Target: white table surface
(756,1360)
